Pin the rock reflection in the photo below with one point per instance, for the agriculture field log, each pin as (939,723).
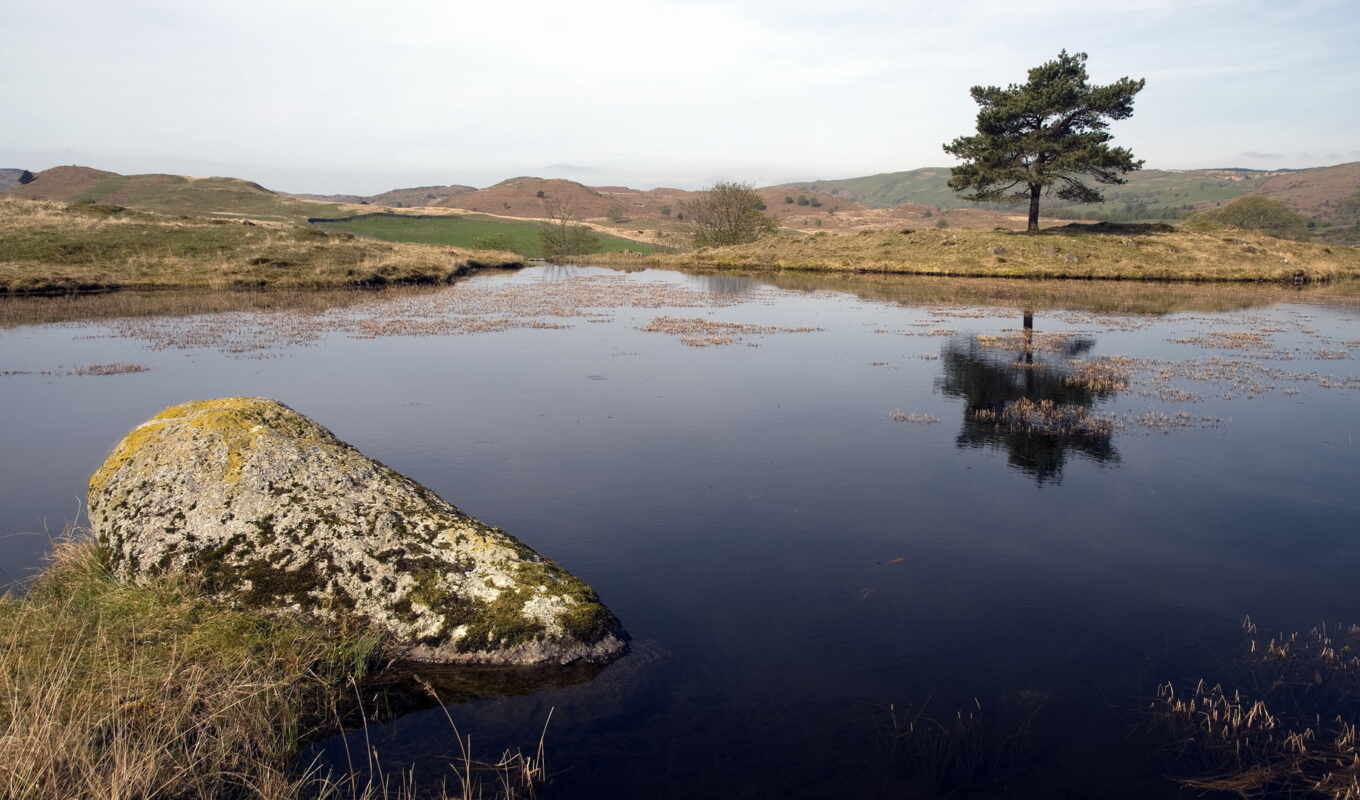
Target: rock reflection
(1023,395)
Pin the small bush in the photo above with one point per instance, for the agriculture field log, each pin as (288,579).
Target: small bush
(567,239)
(942,223)
(788,200)
(540,194)
(728,213)
(1255,213)
(802,200)
(665,211)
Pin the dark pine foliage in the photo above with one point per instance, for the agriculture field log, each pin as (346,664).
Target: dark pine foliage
(1044,136)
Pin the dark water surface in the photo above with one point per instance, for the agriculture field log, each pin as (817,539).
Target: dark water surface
(795,546)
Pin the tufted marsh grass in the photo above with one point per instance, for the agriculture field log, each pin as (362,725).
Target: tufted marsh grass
(116,691)
(1074,251)
(1287,723)
(50,248)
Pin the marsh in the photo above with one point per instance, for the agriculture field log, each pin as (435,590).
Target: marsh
(790,560)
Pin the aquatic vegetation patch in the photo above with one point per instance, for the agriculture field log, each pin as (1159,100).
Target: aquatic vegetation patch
(1046,417)
(1287,724)
(701,332)
(472,307)
(1229,340)
(913,417)
(86,370)
(976,746)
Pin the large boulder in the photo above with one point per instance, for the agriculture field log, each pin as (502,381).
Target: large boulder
(270,511)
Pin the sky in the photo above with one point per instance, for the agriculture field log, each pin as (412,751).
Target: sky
(368,95)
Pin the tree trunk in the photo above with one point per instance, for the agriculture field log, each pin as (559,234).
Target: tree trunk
(1034,208)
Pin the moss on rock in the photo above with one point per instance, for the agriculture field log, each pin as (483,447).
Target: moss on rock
(273,512)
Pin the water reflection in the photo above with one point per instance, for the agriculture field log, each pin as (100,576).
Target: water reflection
(732,286)
(1023,396)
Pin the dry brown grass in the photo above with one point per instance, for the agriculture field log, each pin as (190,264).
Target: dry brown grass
(51,248)
(1292,730)
(120,692)
(1055,253)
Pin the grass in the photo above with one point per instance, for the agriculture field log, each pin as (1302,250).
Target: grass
(115,691)
(466,231)
(53,248)
(1106,251)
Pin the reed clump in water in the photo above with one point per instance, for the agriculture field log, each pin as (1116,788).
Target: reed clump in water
(975,746)
(1024,415)
(1293,731)
(110,690)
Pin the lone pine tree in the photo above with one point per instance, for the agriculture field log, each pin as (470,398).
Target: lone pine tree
(1045,136)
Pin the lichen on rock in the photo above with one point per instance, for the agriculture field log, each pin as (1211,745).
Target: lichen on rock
(269,510)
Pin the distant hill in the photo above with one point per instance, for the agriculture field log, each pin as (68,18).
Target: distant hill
(1330,193)
(1152,193)
(413,197)
(169,194)
(9,178)
(1322,193)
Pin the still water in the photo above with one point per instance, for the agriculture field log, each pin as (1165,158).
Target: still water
(814,503)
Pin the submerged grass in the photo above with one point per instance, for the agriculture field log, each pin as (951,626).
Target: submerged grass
(1123,252)
(53,248)
(110,690)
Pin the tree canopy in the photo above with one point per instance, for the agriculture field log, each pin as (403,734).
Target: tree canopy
(728,213)
(1043,136)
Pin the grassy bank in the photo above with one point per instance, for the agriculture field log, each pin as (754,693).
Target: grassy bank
(470,230)
(109,690)
(1079,251)
(53,248)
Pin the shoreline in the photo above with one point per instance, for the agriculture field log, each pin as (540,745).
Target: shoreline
(1150,254)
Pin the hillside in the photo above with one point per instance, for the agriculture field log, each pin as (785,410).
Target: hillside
(54,248)
(633,212)
(1321,193)
(411,197)
(168,194)
(1328,193)
(1151,193)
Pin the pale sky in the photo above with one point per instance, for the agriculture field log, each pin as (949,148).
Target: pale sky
(364,96)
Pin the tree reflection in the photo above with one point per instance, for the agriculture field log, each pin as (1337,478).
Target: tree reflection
(732,286)
(1022,394)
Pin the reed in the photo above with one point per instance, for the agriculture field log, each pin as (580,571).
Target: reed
(975,746)
(1291,731)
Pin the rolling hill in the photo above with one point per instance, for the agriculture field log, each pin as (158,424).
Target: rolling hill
(411,197)
(1153,193)
(1322,193)
(168,194)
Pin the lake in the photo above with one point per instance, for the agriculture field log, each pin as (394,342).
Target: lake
(826,509)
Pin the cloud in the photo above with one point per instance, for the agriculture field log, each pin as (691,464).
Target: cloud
(1259,156)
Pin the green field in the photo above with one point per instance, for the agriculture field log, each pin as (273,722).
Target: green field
(471,230)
